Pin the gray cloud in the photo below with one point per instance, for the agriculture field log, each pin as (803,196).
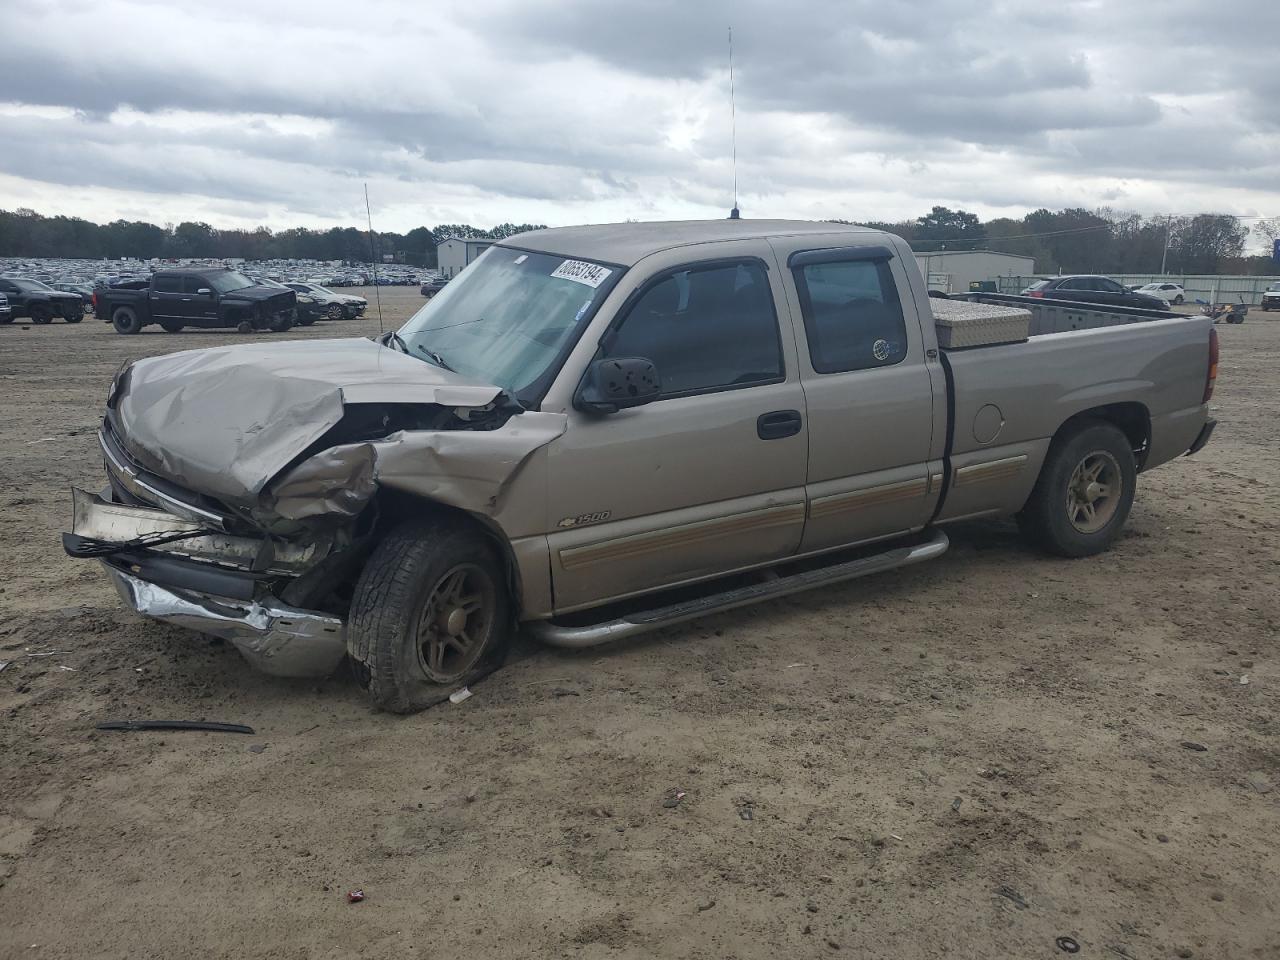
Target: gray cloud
(586,109)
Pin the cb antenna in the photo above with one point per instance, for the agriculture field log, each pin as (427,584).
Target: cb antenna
(373,258)
(734,214)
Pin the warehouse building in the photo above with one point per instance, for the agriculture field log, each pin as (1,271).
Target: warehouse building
(951,271)
(454,253)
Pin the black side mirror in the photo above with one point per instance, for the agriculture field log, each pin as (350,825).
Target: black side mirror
(618,383)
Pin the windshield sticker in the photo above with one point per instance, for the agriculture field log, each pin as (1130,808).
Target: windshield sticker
(522,258)
(579,271)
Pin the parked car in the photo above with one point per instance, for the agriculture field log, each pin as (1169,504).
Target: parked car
(197,298)
(336,306)
(84,290)
(431,287)
(1271,297)
(1087,288)
(1169,292)
(40,302)
(634,414)
(6,311)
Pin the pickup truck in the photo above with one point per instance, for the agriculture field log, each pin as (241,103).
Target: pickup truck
(598,431)
(39,301)
(195,298)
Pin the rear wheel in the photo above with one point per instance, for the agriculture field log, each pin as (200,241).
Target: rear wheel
(171,326)
(126,321)
(430,613)
(1084,493)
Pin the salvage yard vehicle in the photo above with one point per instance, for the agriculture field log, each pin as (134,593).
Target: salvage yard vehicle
(334,306)
(206,298)
(6,311)
(1086,288)
(40,302)
(598,431)
(1271,297)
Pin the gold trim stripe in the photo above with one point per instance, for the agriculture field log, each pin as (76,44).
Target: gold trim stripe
(686,535)
(992,470)
(870,497)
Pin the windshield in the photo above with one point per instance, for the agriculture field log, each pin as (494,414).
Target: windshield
(31,286)
(226,282)
(510,318)
(1038,285)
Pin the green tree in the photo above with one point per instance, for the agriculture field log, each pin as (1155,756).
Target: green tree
(942,227)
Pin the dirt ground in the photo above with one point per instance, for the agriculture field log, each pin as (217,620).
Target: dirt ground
(969,758)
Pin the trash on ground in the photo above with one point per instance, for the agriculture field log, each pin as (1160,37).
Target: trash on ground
(1012,895)
(1244,681)
(1068,944)
(1192,745)
(460,695)
(208,725)
(355,896)
(955,804)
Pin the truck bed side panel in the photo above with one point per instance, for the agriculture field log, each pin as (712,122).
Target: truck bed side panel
(1011,399)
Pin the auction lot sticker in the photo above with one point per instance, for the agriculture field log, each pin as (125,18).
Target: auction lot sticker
(579,271)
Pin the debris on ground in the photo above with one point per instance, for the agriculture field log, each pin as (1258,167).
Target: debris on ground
(1012,895)
(206,725)
(458,696)
(1068,944)
(673,799)
(955,805)
(355,896)
(1192,745)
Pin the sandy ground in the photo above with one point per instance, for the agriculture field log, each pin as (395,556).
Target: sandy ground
(966,759)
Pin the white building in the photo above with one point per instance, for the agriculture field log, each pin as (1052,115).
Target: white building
(951,271)
(454,253)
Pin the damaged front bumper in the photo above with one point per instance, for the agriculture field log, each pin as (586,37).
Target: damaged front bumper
(273,637)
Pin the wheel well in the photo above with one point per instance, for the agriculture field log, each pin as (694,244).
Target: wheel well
(1133,419)
(395,506)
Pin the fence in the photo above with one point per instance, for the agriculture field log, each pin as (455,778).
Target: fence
(1210,289)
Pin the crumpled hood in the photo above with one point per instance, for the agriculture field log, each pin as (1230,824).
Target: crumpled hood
(225,420)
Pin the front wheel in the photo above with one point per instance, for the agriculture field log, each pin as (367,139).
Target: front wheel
(1177,301)
(74,317)
(1084,493)
(280,323)
(431,612)
(41,314)
(334,311)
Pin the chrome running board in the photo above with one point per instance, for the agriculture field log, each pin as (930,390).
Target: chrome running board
(643,621)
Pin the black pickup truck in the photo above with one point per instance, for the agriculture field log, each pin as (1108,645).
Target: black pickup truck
(40,302)
(196,298)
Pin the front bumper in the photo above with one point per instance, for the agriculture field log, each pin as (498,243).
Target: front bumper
(275,638)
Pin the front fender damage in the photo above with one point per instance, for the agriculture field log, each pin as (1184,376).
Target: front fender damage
(468,469)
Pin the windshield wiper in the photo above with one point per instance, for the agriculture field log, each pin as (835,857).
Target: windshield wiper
(392,337)
(438,360)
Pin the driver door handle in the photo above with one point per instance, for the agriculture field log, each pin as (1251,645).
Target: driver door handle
(778,424)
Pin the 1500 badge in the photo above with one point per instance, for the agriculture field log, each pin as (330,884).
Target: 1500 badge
(585,519)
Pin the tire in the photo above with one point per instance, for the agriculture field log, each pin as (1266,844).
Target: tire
(280,323)
(41,314)
(1059,516)
(244,326)
(126,321)
(1178,300)
(334,311)
(307,322)
(403,664)
(170,326)
(74,318)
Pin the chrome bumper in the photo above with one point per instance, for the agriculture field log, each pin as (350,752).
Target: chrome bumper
(276,639)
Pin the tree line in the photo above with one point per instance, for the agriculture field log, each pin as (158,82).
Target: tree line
(25,233)
(1076,240)
(1073,240)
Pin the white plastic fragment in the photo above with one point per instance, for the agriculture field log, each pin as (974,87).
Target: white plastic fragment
(460,695)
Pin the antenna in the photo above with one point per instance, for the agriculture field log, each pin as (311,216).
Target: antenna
(733,127)
(373,258)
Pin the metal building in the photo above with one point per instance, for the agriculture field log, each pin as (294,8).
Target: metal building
(951,271)
(454,253)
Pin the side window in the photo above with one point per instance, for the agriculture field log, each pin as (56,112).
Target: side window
(852,315)
(190,284)
(704,328)
(1073,285)
(1109,286)
(168,284)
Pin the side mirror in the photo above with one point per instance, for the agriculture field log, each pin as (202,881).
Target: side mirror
(618,383)
(204,292)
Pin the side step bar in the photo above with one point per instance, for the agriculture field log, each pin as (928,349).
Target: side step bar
(643,621)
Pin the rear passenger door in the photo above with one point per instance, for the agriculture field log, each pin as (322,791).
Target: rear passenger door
(710,477)
(874,460)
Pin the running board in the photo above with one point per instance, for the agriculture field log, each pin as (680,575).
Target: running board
(643,621)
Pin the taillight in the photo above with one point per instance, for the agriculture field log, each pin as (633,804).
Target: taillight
(1036,293)
(1213,365)
(94,299)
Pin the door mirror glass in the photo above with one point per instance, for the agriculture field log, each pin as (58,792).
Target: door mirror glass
(205,292)
(618,383)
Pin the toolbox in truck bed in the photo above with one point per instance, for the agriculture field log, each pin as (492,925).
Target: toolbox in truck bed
(962,323)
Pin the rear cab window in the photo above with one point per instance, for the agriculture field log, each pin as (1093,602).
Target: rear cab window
(168,284)
(852,312)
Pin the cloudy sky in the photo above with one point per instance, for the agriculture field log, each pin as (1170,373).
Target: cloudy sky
(276,111)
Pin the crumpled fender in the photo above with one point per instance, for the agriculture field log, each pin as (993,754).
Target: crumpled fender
(468,469)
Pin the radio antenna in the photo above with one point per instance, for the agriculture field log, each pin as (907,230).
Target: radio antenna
(373,258)
(733,131)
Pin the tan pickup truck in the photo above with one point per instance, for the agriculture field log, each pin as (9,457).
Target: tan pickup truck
(597,431)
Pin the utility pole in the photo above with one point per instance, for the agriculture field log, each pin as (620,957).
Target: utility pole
(1168,226)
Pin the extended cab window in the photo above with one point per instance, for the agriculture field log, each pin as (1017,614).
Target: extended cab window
(704,328)
(168,284)
(194,284)
(852,315)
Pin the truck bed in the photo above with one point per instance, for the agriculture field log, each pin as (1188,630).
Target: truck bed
(1059,316)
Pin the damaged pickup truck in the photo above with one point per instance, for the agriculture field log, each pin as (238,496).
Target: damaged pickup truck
(598,431)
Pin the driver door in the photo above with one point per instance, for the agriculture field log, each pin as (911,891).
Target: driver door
(710,477)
